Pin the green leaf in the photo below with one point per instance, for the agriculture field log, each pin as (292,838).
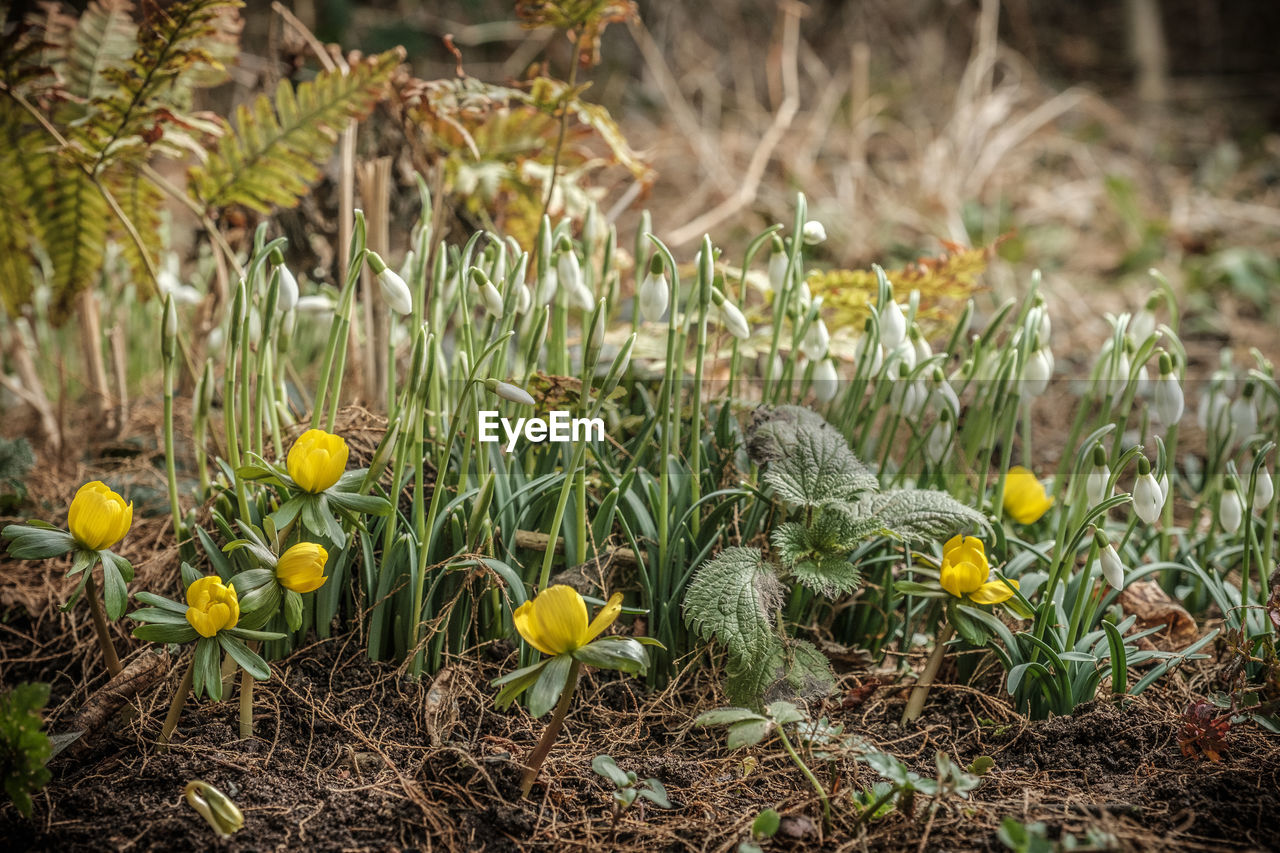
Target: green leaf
(766,824)
(363,504)
(920,515)
(161,602)
(605,766)
(114,591)
(620,653)
(793,670)
(655,793)
(832,577)
(292,609)
(244,656)
(732,599)
(748,733)
(726,716)
(783,713)
(166,632)
(207,676)
(550,684)
(515,683)
(247,634)
(809,461)
(922,590)
(33,543)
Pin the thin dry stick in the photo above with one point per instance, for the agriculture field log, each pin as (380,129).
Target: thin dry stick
(94,365)
(119,364)
(754,173)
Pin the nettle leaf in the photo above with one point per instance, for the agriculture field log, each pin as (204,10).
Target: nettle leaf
(809,461)
(829,577)
(792,671)
(732,599)
(921,515)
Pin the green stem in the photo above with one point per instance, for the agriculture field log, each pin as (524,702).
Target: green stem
(813,780)
(100,625)
(915,705)
(534,763)
(178,701)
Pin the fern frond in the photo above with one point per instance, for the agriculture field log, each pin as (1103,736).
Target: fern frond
(21,164)
(139,114)
(104,37)
(276,149)
(75,235)
(141,200)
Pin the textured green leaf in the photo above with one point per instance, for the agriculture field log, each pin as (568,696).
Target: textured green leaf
(793,671)
(818,468)
(732,599)
(830,577)
(550,684)
(921,515)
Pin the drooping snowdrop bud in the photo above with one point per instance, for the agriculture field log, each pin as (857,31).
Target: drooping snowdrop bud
(1109,561)
(1230,507)
(1148,497)
(938,445)
(777,266)
(1037,372)
(169,336)
(1163,480)
(316,305)
(893,325)
(730,317)
(1244,413)
(509,392)
(1169,401)
(814,233)
(1095,484)
(654,292)
(485,290)
(825,380)
(944,396)
(394,290)
(524,298)
(547,287)
(567,267)
(1263,490)
(1143,324)
(1043,325)
(287,296)
(873,354)
(919,345)
(816,340)
(911,393)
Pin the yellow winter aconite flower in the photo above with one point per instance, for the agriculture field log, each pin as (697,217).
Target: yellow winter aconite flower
(99,518)
(212,606)
(965,571)
(555,622)
(301,568)
(1024,497)
(317,459)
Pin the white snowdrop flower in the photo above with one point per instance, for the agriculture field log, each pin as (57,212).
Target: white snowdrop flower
(1119,373)
(1230,507)
(524,298)
(215,340)
(1148,496)
(568,269)
(1263,490)
(394,290)
(1143,324)
(777,366)
(910,394)
(492,298)
(1039,320)
(919,346)
(1095,484)
(816,340)
(547,287)
(1244,414)
(1164,487)
(583,298)
(509,392)
(893,325)
(938,445)
(287,295)
(1037,372)
(943,397)
(825,381)
(814,233)
(406,267)
(777,267)
(1167,393)
(316,305)
(654,293)
(730,317)
(1112,568)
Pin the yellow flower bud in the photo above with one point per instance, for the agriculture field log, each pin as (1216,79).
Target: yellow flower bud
(965,571)
(555,622)
(1024,496)
(98,518)
(301,568)
(212,606)
(317,459)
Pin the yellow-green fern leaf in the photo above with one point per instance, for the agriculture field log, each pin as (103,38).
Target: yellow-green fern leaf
(75,236)
(20,166)
(141,200)
(276,149)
